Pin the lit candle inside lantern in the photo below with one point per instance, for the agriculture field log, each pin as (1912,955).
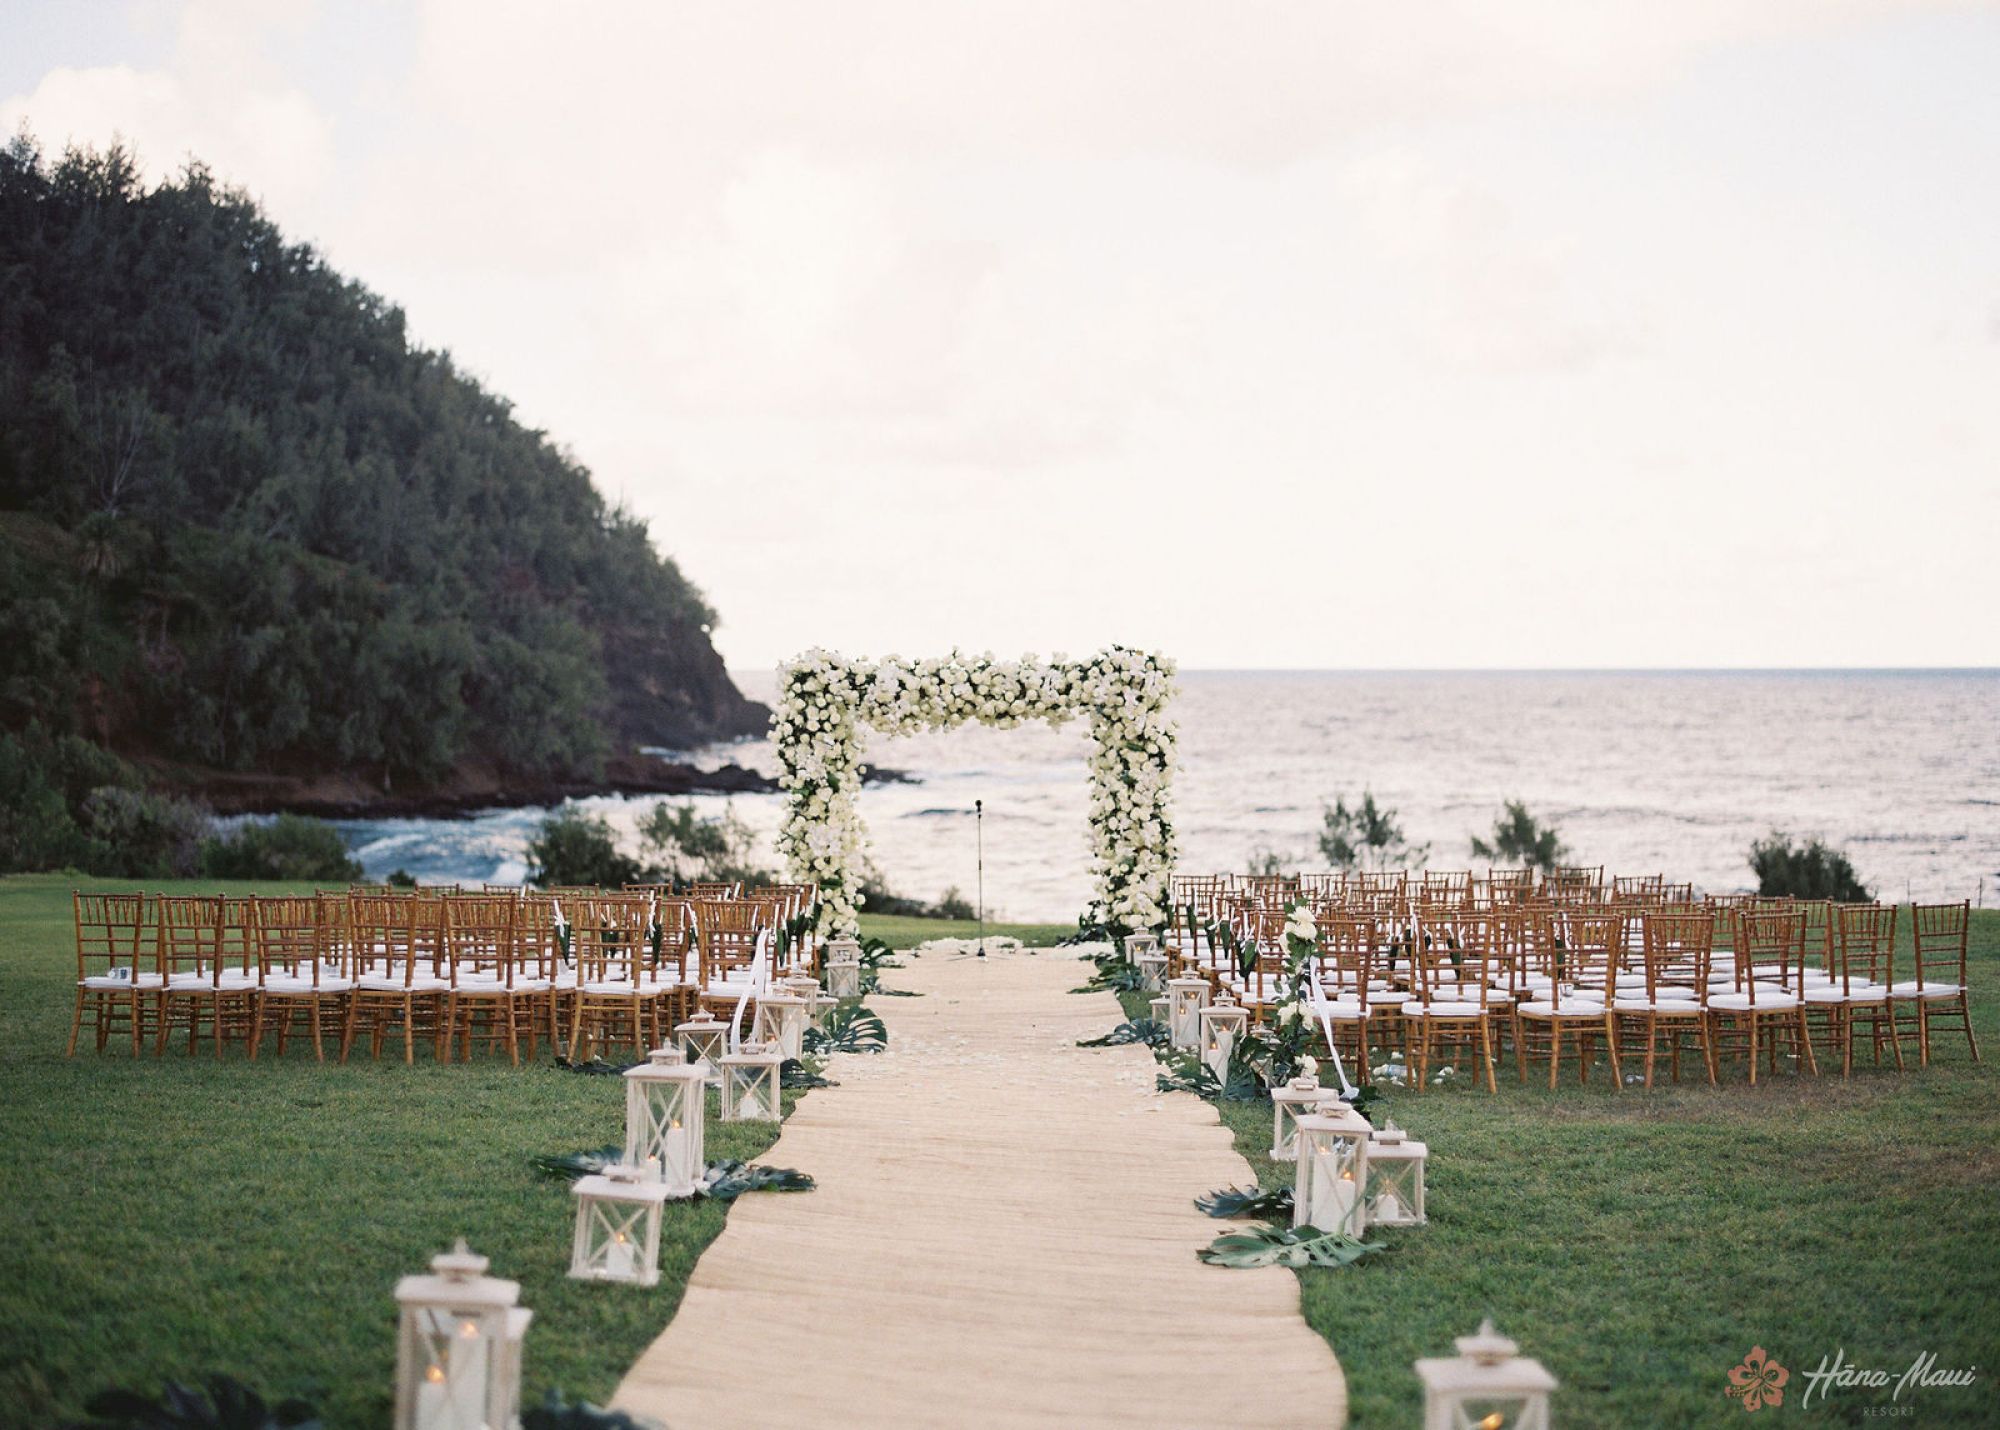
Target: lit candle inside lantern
(618,1256)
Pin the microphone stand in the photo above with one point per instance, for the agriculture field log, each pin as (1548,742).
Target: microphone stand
(979,835)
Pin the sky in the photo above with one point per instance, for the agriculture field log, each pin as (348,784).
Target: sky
(1263,335)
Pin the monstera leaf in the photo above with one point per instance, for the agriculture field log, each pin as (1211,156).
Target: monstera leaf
(557,1413)
(1139,1030)
(1188,1073)
(1250,1201)
(228,1405)
(800,1075)
(572,1165)
(850,1028)
(1286,1246)
(728,1180)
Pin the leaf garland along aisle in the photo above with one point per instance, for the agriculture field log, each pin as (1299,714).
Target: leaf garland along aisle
(1287,1246)
(827,702)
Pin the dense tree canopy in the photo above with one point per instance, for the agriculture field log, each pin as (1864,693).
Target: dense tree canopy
(245,524)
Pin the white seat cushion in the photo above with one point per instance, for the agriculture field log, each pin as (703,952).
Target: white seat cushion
(1929,990)
(232,981)
(144,982)
(1856,993)
(1569,1008)
(1769,1000)
(1344,1010)
(422,983)
(614,988)
(532,985)
(1416,1008)
(1658,1005)
(287,985)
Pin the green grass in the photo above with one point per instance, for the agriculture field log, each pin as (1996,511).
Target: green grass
(1640,1243)
(172,1217)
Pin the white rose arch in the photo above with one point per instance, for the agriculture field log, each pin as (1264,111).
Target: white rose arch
(827,702)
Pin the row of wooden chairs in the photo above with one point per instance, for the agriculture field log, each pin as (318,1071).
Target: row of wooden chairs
(588,968)
(1557,980)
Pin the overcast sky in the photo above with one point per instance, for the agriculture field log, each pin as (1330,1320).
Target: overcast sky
(1295,334)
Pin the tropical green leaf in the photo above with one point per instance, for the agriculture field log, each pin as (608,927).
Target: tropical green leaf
(728,1180)
(228,1405)
(596,1067)
(800,1075)
(1247,1201)
(1139,1030)
(850,1028)
(1186,1072)
(572,1165)
(558,1413)
(1286,1246)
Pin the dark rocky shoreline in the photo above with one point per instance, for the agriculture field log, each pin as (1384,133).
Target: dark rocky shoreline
(468,790)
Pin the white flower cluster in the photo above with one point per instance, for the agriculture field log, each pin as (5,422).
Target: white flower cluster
(826,702)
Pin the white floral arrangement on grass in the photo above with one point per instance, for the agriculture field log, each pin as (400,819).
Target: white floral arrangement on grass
(827,703)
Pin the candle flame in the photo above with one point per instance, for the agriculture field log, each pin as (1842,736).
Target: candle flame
(434,1373)
(468,1329)
(1495,1421)
(619,1237)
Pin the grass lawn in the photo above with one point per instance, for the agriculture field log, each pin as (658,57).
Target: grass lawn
(170,1218)
(1641,1243)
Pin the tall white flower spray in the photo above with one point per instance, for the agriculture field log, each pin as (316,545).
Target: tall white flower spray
(826,703)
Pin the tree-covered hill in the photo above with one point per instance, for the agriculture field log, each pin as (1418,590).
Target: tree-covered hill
(246,526)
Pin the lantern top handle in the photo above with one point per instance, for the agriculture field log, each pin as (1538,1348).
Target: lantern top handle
(667,1056)
(1488,1347)
(461,1263)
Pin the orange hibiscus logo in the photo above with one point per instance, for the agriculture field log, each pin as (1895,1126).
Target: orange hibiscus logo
(1758,1382)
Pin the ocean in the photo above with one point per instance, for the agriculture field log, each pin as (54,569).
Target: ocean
(1673,772)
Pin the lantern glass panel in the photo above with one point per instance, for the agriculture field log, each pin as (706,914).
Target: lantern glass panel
(1327,1194)
(452,1349)
(1494,1412)
(1395,1191)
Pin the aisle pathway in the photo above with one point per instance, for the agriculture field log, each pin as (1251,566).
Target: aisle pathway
(1003,1235)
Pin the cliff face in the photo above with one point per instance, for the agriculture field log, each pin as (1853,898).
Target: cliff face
(669,688)
(254,539)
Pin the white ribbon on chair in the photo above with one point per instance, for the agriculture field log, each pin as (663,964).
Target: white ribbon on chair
(759,984)
(1319,1008)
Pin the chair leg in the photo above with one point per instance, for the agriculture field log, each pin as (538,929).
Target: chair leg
(76,1023)
(1486,1055)
(1751,1019)
(1965,1012)
(1804,1035)
(1611,1047)
(257,1002)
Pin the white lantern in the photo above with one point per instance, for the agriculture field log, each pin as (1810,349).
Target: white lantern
(1186,997)
(458,1347)
(1486,1386)
(1300,1095)
(1395,1192)
(807,990)
(1223,1025)
(703,1039)
(781,1021)
(843,968)
(1333,1168)
(1152,970)
(750,1084)
(1159,1006)
(1138,943)
(665,1108)
(618,1227)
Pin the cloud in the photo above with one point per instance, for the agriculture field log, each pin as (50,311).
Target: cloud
(219,99)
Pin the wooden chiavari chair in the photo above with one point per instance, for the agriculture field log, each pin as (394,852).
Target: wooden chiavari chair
(611,938)
(1939,934)
(1763,1005)
(397,944)
(209,967)
(296,981)
(1859,949)
(1672,1004)
(726,935)
(1449,1010)
(713,890)
(118,975)
(1573,973)
(482,963)
(1344,967)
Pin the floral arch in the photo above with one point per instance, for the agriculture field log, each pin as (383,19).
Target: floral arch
(826,703)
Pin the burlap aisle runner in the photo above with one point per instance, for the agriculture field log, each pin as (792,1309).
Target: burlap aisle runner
(1003,1234)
